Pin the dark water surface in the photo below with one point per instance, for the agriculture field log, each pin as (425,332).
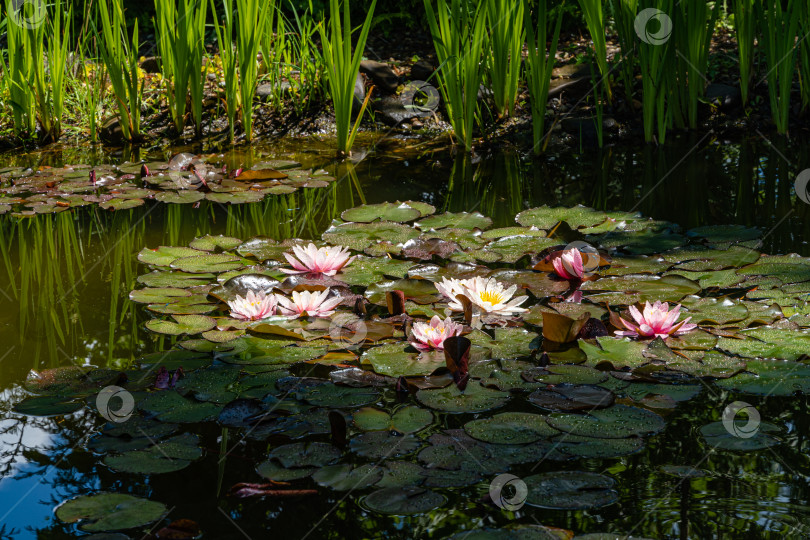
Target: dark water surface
(65,279)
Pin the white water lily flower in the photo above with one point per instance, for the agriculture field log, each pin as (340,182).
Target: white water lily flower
(452,287)
(490,296)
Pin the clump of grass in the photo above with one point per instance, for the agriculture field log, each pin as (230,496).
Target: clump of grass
(624,16)
(539,65)
(656,59)
(342,67)
(227,55)
(120,56)
(745,30)
(693,24)
(251,27)
(180,30)
(20,70)
(594,14)
(57,66)
(459,39)
(778,39)
(506,35)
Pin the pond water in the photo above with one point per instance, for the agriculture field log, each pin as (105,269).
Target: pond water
(64,301)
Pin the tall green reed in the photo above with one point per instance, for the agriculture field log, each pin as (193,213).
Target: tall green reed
(693,24)
(342,67)
(506,33)
(594,14)
(777,37)
(656,57)
(744,28)
(228,56)
(308,59)
(624,16)
(251,27)
(539,64)
(89,86)
(120,56)
(180,27)
(804,54)
(57,66)
(459,39)
(23,45)
(276,51)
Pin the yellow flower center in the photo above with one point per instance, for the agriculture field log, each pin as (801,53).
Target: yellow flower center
(491,297)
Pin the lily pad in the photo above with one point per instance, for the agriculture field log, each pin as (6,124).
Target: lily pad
(461,220)
(395,212)
(214,263)
(403,500)
(407,419)
(395,360)
(166,456)
(739,437)
(570,490)
(110,512)
(510,428)
(344,477)
(185,324)
(474,399)
(312,454)
(616,422)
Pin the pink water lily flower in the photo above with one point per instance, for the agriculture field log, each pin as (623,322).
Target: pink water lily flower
(314,304)
(253,307)
(656,321)
(426,336)
(569,265)
(327,260)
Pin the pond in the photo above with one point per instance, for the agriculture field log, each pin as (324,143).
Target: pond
(649,457)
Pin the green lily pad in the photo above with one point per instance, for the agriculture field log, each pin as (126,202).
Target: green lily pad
(185,324)
(407,419)
(214,263)
(615,351)
(510,428)
(312,454)
(211,242)
(401,474)
(330,395)
(570,490)
(545,217)
(395,360)
(461,220)
(157,295)
(182,197)
(271,470)
(110,512)
(770,378)
(616,422)
(395,212)
(344,477)
(165,255)
(766,342)
(47,406)
(507,342)
(591,448)
(359,236)
(640,288)
(181,280)
(365,270)
(474,399)
(740,438)
(384,444)
(169,406)
(166,456)
(403,500)
(419,291)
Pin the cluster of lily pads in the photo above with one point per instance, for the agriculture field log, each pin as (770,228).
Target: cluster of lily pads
(548,352)
(184,179)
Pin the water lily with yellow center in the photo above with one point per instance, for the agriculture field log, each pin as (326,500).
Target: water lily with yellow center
(426,336)
(313,304)
(253,307)
(328,260)
(490,296)
(657,320)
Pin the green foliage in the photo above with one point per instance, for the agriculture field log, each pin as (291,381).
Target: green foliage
(120,56)
(180,31)
(745,30)
(594,13)
(341,69)
(459,39)
(777,36)
(506,35)
(539,65)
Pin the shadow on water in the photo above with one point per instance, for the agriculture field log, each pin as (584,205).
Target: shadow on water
(66,279)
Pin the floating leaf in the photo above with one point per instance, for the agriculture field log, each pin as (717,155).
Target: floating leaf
(740,436)
(616,422)
(510,428)
(408,419)
(185,324)
(344,477)
(461,220)
(570,490)
(474,399)
(403,500)
(110,512)
(395,212)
